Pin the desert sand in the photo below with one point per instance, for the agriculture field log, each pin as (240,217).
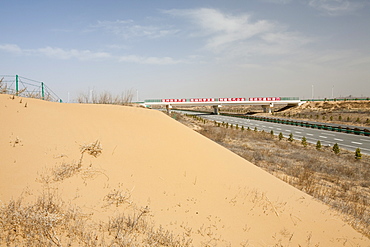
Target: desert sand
(191,186)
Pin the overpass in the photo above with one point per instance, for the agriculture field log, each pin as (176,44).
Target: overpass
(267,103)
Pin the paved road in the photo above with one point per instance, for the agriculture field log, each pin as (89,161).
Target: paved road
(344,140)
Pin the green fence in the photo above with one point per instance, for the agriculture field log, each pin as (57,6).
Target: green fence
(289,98)
(152,100)
(25,87)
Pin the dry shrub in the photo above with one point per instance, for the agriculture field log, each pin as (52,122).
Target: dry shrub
(64,171)
(45,222)
(124,98)
(67,170)
(3,87)
(93,149)
(118,197)
(49,221)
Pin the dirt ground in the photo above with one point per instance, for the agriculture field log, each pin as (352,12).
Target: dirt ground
(343,112)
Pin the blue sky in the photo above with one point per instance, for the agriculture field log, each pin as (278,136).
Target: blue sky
(193,48)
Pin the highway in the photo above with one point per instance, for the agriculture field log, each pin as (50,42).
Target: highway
(345,141)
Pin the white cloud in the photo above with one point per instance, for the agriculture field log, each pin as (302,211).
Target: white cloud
(87,55)
(238,36)
(58,53)
(337,7)
(149,60)
(11,48)
(73,53)
(223,29)
(287,39)
(129,29)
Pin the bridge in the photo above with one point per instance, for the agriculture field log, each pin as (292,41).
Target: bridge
(267,103)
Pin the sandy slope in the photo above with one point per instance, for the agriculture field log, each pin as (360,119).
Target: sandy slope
(191,184)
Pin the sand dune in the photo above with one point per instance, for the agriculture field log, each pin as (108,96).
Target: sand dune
(191,185)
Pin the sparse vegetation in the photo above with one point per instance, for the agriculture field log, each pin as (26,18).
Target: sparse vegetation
(49,221)
(3,86)
(290,137)
(124,98)
(304,141)
(358,154)
(336,149)
(339,112)
(335,180)
(281,136)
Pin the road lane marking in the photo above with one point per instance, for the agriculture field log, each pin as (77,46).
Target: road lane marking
(298,132)
(359,143)
(309,134)
(338,139)
(323,136)
(354,147)
(278,128)
(327,134)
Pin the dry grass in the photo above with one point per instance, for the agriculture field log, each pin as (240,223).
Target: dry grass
(343,112)
(3,87)
(340,181)
(67,170)
(124,98)
(47,220)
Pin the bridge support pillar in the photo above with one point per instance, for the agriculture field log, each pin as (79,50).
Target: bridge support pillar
(216,109)
(268,108)
(168,108)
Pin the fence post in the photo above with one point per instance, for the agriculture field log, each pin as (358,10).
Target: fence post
(42,91)
(16,85)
